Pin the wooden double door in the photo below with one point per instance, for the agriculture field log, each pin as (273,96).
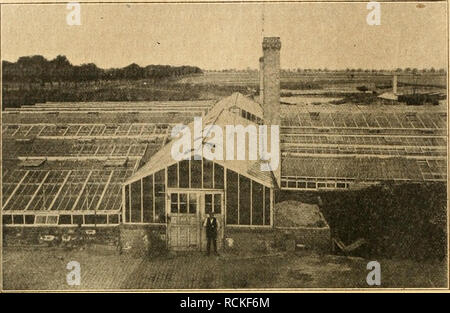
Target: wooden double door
(187,210)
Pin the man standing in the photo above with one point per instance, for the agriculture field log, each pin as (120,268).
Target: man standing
(212,226)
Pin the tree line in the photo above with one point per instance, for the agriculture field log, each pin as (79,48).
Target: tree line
(37,69)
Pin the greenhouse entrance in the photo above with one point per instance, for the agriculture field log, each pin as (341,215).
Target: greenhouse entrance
(187,211)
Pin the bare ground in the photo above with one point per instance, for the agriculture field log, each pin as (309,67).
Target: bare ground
(45,269)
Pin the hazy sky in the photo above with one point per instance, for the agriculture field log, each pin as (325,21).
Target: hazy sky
(216,36)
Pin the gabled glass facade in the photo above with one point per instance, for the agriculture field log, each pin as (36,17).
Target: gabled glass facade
(246,201)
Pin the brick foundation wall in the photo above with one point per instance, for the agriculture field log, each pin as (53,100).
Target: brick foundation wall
(17,236)
(141,240)
(247,240)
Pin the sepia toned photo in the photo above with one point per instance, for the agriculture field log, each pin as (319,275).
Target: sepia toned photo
(224,146)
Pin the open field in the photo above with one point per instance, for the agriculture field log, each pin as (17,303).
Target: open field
(45,269)
(211,85)
(322,78)
(139,90)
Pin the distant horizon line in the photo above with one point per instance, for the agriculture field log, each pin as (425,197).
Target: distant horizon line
(408,69)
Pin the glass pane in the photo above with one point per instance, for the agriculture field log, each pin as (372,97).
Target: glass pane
(160,177)
(147,194)
(217,203)
(65,219)
(266,206)
(183,203)
(192,203)
(232,197)
(160,197)
(127,205)
(135,202)
(196,173)
(208,208)
(257,204)
(7,219)
(18,219)
(101,219)
(29,219)
(160,210)
(89,219)
(77,219)
(311,185)
(244,200)
(174,202)
(172,176)
(41,219)
(207,174)
(113,219)
(159,190)
(52,219)
(208,203)
(184,174)
(218,176)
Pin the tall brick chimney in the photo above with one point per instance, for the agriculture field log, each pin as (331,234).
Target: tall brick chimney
(270,86)
(261,80)
(271,80)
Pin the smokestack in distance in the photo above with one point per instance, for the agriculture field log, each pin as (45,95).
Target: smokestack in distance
(394,84)
(271,80)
